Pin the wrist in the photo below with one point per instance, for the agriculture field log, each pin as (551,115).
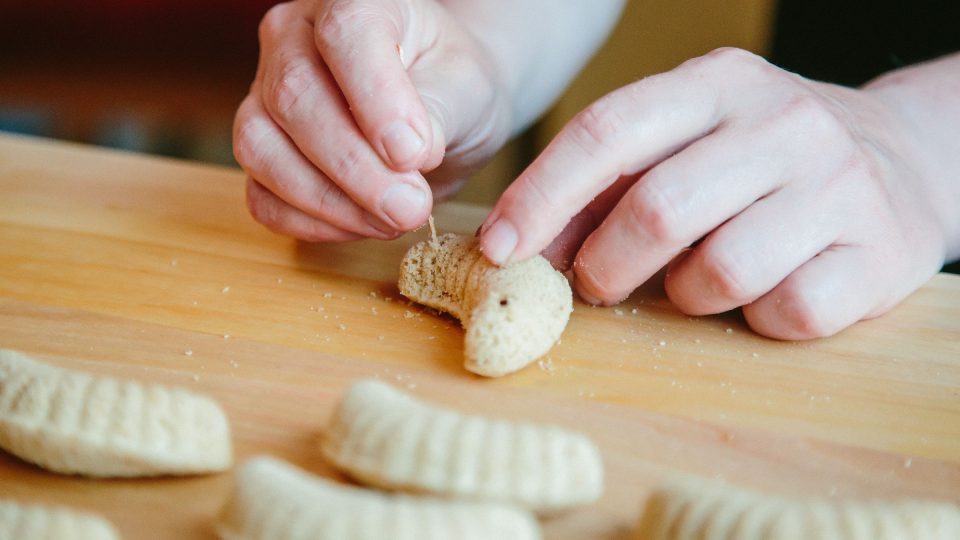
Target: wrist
(921,118)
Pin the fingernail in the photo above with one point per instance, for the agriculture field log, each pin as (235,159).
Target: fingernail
(402,203)
(401,143)
(499,241)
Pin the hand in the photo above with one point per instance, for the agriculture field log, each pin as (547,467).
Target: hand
(353,101)
(800,201)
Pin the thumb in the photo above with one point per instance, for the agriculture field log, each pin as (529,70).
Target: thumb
(361,42)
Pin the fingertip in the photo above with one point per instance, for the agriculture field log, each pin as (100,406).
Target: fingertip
(406,206)
(499,241)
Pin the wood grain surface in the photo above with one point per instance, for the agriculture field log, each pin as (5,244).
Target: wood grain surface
(151,269)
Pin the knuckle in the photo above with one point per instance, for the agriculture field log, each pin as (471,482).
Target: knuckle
(338,22)
(655,213)
(261,207)
(598,125)
(811,114)
(285,93)
(802,315)
(726,276)
(345,167)
(247,140)
(329,202)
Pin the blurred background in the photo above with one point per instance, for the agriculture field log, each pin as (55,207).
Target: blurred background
(165,76)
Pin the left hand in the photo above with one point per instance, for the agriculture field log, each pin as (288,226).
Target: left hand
(795,199)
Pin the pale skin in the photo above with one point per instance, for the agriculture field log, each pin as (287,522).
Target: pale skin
(809,205)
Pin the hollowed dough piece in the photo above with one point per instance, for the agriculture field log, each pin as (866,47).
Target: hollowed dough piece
(692,511)
(273,500)
(75,423)
(387,439)
(512,315)
(34,522)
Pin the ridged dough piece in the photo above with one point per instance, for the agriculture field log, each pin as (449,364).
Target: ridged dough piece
(273,500)
(35,522)
(694,511)
(512,315)
(75,423)
(387,439)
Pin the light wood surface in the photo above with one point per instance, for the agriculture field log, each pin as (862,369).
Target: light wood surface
(151,269)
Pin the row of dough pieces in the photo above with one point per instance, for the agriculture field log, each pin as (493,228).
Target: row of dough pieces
(486,477)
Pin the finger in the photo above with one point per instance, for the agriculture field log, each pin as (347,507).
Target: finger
(278,216)
(629,130)
(268,155)
(565,246)
(673,205)
(831,291)
(753,252)
(626,131)
(303,99)
(361,41)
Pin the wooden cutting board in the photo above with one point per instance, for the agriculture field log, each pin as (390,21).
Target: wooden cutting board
(150,269)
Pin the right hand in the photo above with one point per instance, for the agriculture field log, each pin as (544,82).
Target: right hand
(361,113)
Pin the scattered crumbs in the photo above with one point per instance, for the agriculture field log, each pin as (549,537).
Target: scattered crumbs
(373,294)
(342,326)
(755,355)
(173,262)
(656,368)
(279,280)
(196,378)
(195,302)
(326,339)
(729,330)
(234,364)
(226,336)
(546,364)
(696,340)
(408,314)
(388,299)
(225,290)
(618,312)
(663,343)
(699,364)
(907,463)
(623,340)
(188,352)
(431,337)
(379,338)
(634,311)
(673,383)
(434,243)
(328,295)
(326,316)
(373,310)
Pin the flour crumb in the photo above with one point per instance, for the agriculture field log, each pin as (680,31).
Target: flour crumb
(328,295)
(188,352)
(663,343)
(408,314)
(907,463)
(196,378)
(373,294)
(729,330)
(173,263)
(342,326)
(380,338)
(634,311)
(226,336)
(225,290)
(279,281)
(546,364)
(755,355)
(618,312)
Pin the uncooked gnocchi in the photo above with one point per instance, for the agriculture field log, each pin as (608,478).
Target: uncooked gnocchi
(512,315)
(35,522)
(273,500)
(692,511)
(387,439)
(75,423)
